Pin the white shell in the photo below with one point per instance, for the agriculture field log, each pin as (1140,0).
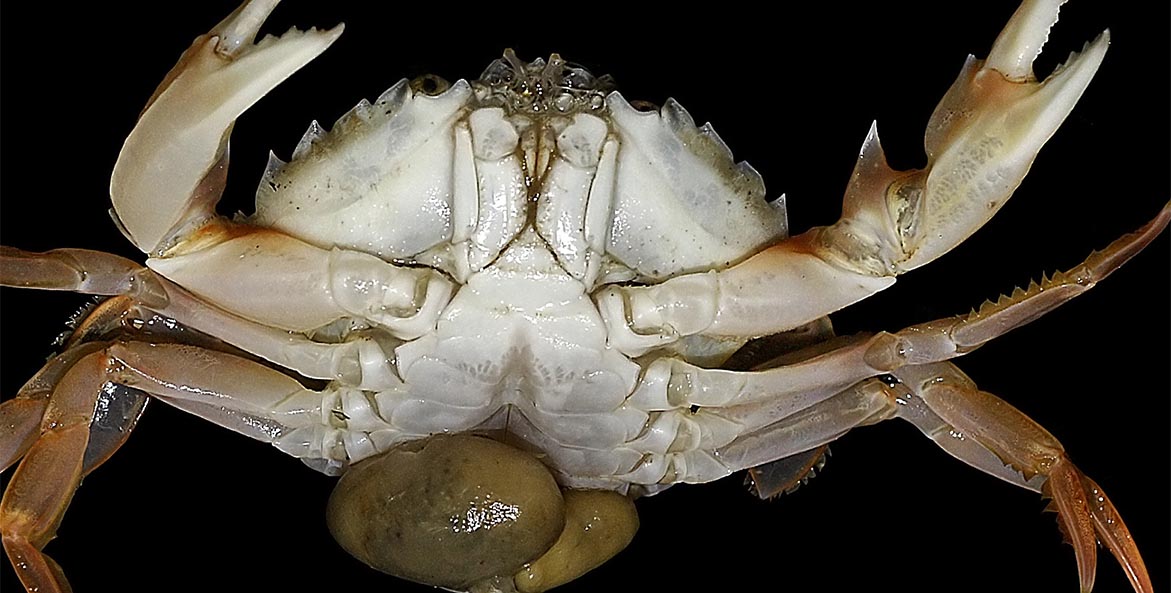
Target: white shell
(530,212)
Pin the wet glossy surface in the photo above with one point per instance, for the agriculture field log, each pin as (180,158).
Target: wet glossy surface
(188,499)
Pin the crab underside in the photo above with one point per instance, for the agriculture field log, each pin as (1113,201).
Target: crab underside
(594,285)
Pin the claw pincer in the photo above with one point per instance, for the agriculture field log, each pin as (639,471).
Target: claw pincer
(169,174)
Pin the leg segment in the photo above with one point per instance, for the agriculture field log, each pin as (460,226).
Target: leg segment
(251,399)
(326,429)
(22,415)
(359,362)
(52,467)
(986,432)
(703,445)
(948,338)
(277,280)
(80,270)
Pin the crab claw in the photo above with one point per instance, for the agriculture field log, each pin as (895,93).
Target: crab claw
(984,135)
(980,143)
(170,172)
(1087,517)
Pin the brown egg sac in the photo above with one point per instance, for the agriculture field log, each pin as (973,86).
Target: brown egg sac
(449,511)
(598,525)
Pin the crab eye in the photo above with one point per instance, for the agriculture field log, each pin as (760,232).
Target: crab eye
(645,106)
(448,511)
(430,85)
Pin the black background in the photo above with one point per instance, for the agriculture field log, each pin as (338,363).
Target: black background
(187,506)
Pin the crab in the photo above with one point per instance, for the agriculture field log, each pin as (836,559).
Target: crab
(90,485)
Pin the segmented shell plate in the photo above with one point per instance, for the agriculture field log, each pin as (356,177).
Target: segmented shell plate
(395,179)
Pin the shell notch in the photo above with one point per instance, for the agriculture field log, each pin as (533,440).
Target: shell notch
(541,87)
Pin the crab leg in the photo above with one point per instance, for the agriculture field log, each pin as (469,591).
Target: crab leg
(79,270)
(707,423)
(327,429)
(23,414)
(277,280)
(86,401)
(171,170)
(360,363)
(707,444)
(976,427)
(986,432)
(81,407)
(783,389)
(77,433)
(266,276)
(948,338)
(980,143)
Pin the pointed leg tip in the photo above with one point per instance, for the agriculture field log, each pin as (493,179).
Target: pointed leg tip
(1115,536)
(1088,517)
(1073,514)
